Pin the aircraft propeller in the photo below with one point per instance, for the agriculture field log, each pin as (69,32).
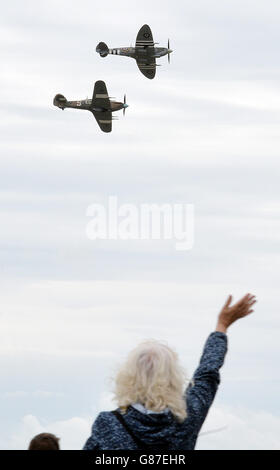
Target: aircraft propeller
(124,104)
(168,47)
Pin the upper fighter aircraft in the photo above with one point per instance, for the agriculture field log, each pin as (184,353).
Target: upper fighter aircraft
(100,105)
(144,52)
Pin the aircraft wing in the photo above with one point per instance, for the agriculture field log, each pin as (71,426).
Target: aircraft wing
(100,98)
(104,120)
(144,37)
(147,66)
(145,52)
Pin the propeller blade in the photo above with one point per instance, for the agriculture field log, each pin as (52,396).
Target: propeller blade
(168,45)
(124,102)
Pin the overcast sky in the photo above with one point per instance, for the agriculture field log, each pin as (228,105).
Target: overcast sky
(205,132)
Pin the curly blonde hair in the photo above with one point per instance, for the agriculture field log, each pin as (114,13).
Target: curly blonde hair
(153,377)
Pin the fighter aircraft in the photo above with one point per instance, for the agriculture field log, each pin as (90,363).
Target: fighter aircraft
(144,52)
(100,105)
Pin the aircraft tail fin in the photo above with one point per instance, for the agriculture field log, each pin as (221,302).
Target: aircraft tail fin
(102,49)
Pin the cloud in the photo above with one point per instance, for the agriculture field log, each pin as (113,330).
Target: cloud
(224,429)
(206,132)
(244,429)
(72,433)
(36,394)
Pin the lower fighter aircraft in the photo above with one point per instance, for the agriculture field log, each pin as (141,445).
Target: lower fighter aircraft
(100,105)
(144,52)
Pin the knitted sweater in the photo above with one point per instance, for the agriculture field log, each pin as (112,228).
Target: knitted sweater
(163,431)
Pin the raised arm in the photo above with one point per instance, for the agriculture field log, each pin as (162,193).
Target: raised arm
(201,393)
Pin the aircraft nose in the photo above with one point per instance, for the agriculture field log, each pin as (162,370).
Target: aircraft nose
(125,105)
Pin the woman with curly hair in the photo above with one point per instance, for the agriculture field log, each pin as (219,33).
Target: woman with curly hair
(154,412)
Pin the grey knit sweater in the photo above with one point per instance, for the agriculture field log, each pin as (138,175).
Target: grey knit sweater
(163,431)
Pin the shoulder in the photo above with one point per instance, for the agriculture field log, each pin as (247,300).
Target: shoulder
(105,433)
(104,417)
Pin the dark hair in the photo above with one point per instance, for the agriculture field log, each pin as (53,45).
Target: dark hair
(44,441)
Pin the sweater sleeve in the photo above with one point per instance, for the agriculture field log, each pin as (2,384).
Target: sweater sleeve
(206,379)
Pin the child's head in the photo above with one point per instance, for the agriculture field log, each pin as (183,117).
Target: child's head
(44,441)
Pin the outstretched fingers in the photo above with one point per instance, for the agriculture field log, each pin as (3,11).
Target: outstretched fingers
(248,304)
(244,306)
(251,301)
(248,299)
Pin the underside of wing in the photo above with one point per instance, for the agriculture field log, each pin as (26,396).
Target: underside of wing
(148,67)
(144,37)
(100,98)
(104,119)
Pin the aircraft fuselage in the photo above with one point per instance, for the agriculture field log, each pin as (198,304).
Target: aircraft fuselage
(140,52)
(86,104)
